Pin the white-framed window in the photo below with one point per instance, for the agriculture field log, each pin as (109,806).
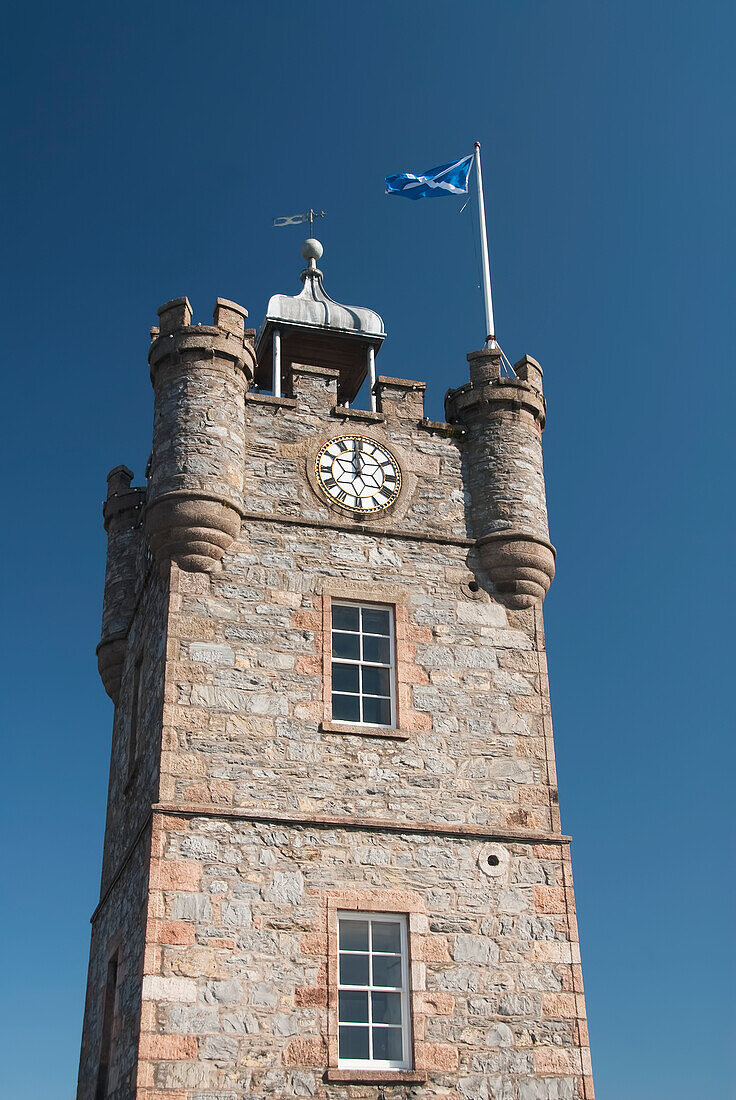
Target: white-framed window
(373,991)
(363,664)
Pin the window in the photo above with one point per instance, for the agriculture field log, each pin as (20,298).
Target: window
(373,992)
(363,663)
(135,718)
(110,1025)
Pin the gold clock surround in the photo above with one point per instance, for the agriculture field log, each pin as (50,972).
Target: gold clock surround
(358,474)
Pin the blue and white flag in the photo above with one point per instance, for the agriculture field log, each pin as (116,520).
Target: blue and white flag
(448,179)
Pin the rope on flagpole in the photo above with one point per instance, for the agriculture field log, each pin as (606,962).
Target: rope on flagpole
(509,369)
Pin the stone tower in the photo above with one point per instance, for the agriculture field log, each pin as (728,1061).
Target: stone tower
(333,862)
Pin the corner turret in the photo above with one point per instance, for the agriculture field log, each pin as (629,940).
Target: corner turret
(199,375)
(504,419)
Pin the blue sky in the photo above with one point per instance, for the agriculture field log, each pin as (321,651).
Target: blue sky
(148,148)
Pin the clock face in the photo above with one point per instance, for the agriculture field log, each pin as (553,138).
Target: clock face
(358,474)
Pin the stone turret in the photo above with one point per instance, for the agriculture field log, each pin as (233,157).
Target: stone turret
(504,419)
(195,492)
(122,516)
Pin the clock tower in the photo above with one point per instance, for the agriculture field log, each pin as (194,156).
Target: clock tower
(333,861)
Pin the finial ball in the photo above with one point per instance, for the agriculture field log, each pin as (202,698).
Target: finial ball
(312,249)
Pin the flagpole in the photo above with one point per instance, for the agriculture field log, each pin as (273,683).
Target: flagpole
(490,340)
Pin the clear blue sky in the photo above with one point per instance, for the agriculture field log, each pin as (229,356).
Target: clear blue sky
(147,148)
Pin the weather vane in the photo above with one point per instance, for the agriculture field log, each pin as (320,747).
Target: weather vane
(297,219)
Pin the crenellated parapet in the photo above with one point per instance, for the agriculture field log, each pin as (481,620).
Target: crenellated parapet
(195,490)
(121,512)
(504,419)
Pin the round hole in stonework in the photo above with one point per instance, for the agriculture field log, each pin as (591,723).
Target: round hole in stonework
(473,586)
(493,860)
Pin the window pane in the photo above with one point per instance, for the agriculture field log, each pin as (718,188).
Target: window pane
(387,1044)
(376,681)
(386,971)
(387,936)
(376,649)
(344,618)
(354,1042)
(386,1008)
(346,645)
(354,1007)
(353,935)
(354,970)
(345,678)
(375,622)
(376,712)
(345,708)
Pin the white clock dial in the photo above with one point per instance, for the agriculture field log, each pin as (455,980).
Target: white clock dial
(358,474)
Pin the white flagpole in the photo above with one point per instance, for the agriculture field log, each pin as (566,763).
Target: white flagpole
(490,340)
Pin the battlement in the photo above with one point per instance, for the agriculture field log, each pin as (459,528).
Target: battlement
(227,316)
(488,386)
(227,340)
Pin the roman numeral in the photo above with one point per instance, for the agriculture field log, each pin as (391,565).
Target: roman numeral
(330,482)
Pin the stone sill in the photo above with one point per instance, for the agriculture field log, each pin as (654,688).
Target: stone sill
(269,399)
(364,731)
(376,1076)
(357,414)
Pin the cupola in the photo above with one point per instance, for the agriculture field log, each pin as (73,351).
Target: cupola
(311,328)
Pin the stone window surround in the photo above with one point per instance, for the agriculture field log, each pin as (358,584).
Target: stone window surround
(376,902)
(395,597)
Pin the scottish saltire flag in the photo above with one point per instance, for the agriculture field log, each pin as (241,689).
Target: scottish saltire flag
(448,179)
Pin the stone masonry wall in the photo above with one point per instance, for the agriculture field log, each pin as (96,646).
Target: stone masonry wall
(507,463)
(279,446)
(235,995)
(245,690)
